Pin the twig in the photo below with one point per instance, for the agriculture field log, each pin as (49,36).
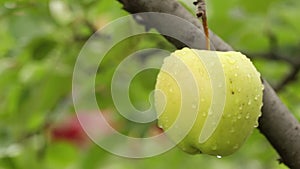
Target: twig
(201,13)
(275,54)
(188,35)
(292,76)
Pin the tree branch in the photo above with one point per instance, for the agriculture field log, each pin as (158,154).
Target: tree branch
(278,125)
(189,35)
(292,76)
(281,128)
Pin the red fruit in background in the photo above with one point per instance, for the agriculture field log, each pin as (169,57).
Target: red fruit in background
(70,129)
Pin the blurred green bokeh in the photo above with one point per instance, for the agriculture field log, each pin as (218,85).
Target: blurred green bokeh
(40,42)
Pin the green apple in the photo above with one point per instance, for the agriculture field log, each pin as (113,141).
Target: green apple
(208,101)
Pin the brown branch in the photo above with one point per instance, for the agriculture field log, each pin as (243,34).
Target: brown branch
(278,125)
(281,128)
(188,34)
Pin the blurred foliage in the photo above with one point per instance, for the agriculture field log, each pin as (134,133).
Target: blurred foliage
(40,41)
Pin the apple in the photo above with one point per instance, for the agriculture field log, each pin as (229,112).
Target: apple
(208,101)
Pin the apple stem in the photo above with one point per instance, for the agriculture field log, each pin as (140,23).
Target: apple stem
(201,13)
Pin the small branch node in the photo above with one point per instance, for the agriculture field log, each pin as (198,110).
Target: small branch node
(201,13)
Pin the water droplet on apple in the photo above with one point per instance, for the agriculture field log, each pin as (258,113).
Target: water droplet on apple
(219,157)
(255,98)
(235,74)
(241,107)
(239,90)
(249,76)
(239,116)
(249,102)
(232,61)
(247,116)
(171,90)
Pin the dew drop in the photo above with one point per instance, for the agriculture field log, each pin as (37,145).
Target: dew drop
(241,107)
(255,98)
(239,90)
(167,121)
(171,90)
(247,116)
(219,157)
(232,61)
(160,126)
(235,74)
(239,116)
(249,76)
(249,102)
(204,114)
